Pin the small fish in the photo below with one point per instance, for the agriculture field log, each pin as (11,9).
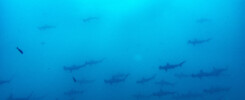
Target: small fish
(19,50)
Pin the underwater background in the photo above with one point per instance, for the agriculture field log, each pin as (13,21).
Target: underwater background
(122,49)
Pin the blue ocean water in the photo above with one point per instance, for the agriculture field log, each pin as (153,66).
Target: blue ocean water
(122,50)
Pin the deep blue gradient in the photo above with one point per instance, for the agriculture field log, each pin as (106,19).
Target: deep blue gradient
(131,37)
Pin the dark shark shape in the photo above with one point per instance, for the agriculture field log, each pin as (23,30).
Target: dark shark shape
(72,68)
(73,92)
(19,98)
(19,50)
(213,90)
(144,80)
(196,41)
(87,63)
(90,19)
(168,66)
(45,27)
(82,81)
(4,82)
(116,78)
(215,72)
(163,93)
(164,83)
(188,96)
(93,62)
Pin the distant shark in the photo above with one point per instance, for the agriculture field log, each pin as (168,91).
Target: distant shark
(215,72)
(72,68)
(116,78)
(169,66)
(93,62)
(188,96)
(19,98)
(196,41)
(82,81)
(87,63)
(4,81)
(73,92)
(213,90)
(144,80)
(163,93)
(45,27)
(90,19)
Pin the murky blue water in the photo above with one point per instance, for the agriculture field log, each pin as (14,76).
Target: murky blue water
(122,50)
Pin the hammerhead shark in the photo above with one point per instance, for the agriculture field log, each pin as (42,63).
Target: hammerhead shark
(87,63)
(144,80)
(213,90)
(19,98)
(196,41)
(90,19)
(169,66)
(82,81)
(188,96)
(45,27)
(4,81)
(73,92)
(163,93)
(73,67)
(215,72)
(116,78)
